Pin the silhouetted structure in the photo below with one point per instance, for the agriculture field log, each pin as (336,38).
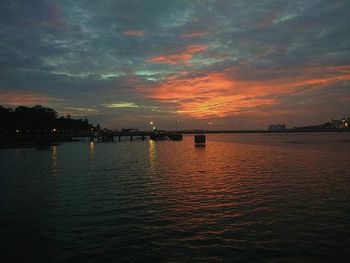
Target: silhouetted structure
(199,140)
(344,123)
(163,135)
(175,136)
(322,127)
(130,130)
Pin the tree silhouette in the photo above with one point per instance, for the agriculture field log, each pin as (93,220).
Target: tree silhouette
(38,119)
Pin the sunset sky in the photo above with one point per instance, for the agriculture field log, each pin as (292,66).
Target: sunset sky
(229,64)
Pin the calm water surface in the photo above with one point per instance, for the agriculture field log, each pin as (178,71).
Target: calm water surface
(243,198)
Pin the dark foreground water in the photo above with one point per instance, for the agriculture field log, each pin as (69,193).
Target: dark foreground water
(243,198)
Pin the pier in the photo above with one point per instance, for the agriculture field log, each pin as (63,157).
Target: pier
(33,138)
(109,136)
(161,136)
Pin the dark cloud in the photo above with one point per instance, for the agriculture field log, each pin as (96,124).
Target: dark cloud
(88,54)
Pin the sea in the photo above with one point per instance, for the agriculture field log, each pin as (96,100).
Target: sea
(275,197)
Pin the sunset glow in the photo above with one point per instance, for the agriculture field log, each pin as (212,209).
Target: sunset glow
(183,57)
(219,94)
(15,98)
(240,64)
(174,130)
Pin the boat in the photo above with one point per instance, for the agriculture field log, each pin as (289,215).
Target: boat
(199,140)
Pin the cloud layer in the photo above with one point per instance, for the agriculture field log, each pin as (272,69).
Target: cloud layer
(235,64)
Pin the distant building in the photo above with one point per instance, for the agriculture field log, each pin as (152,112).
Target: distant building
(277,127)
(344,123)
(325,126)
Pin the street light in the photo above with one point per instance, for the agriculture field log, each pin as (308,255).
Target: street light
(152,124)
(177,121)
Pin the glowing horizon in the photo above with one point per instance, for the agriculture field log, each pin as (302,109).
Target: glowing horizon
(227,64)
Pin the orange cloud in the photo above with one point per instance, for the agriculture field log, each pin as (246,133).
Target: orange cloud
(194,34)
(184,57)
(218,94)
(134,33)
(16,98)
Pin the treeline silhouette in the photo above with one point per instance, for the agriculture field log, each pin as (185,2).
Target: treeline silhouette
(38,119)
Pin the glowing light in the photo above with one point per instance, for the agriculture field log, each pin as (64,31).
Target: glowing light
(92,148)
(92,155)
(220,94)
(152,154)
(121,105)
(54,166)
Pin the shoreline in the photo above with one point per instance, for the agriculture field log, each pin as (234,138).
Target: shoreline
(260,131)
(33,142)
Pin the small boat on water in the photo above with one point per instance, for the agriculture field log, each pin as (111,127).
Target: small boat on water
(199,140)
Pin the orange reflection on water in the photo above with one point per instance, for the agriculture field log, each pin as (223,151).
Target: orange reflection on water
(204,184)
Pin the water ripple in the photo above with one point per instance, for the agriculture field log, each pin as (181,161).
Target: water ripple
(243,198)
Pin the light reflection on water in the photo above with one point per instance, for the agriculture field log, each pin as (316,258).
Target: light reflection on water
(152,154)
(241,198)
(54,167)
(92,155)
